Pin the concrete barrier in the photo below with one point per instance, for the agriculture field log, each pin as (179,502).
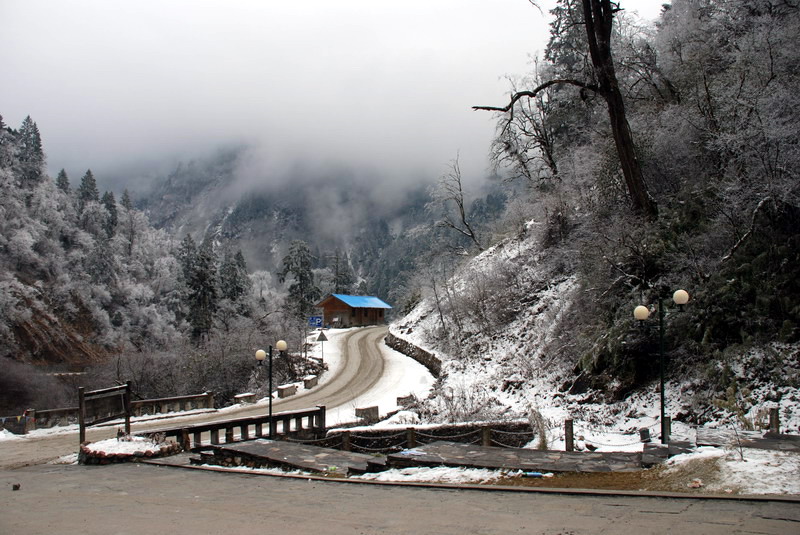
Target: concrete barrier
(284,391)
(370,414)
(247,398)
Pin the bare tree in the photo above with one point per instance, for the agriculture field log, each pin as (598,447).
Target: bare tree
(598,20)
(450,194)
(525,142)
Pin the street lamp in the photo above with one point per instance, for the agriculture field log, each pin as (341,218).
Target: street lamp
(641,313)
(280,345)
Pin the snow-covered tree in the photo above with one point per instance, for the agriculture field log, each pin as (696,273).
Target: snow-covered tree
(297,267)
(87,191)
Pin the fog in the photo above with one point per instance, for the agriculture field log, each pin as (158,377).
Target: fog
(131,88)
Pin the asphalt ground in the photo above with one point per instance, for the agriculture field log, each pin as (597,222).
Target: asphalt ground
(134,498)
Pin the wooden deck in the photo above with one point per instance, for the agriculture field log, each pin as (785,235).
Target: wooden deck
(315,459)
(293,455)
(472,456)
(747,439)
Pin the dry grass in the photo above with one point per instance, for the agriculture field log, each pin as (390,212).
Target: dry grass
(680,478)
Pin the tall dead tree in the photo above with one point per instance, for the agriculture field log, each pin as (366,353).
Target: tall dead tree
(599,18)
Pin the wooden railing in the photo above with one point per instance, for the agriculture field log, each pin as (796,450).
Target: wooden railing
(69,415)
(307,423)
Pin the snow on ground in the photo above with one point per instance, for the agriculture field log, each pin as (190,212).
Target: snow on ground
(437,474)
(5,434)
(128,445)
(747,470)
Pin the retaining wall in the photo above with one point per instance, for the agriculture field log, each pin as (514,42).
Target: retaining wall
(427,359)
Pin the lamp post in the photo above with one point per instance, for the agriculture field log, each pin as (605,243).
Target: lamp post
(280,345)
(641,313)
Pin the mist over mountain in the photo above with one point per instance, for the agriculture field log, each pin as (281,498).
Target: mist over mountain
(382,225)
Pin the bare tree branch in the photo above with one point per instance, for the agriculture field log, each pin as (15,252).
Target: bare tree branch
(532,93)
(749,232)
(449,190)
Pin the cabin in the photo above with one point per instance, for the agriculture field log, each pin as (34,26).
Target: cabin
(340,310)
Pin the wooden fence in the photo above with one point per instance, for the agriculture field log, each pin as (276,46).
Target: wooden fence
(45,418)
(505,434)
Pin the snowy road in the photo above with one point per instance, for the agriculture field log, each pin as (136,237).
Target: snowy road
(362,372)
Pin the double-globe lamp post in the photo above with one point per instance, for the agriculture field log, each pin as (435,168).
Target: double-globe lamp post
(280,345)
(641,313)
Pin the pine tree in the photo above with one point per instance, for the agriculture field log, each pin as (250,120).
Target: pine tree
(187,256)
(202,290)
(87,191)
(31,155)
(342,275)
(234,282)
(126,200)
(62,181)
(303,293)
(110,204)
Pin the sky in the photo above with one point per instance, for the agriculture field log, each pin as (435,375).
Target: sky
(133,87)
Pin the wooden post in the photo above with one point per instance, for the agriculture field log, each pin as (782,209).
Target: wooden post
(286,425)
(411,437)
(569,436)
(259,430)
(228,435)
(486,436)
(215,436)
(186,442)
(81,415)
(244,431)
(209,400)
(774,420)
(30,420)
(666,429)
(346,441)
(321,424)
(126,400)
(198,438)
(273,427)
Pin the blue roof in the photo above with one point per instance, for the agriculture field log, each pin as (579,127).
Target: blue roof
(361,301)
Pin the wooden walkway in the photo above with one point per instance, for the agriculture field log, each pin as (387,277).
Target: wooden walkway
(747,439)
(472,456)
(283,454)
(290,455)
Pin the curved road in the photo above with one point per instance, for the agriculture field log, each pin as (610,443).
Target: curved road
(361,366)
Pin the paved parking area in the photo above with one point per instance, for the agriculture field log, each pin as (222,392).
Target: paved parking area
(138,498)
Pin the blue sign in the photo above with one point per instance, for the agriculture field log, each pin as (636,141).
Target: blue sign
(315,322)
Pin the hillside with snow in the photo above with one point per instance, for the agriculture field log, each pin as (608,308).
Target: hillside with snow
(501,327)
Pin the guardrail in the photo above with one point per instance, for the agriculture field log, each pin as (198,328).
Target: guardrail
(173,404)
(307,423)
